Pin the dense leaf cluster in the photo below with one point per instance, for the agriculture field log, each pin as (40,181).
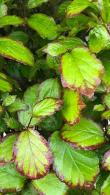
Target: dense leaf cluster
(55,97)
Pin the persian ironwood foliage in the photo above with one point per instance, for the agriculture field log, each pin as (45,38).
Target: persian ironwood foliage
(54,97)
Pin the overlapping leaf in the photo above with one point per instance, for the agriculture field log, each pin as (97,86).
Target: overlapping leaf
(43,185)
(60,47)
(106,161)
(81,70)
(6,148)
(86,134)
(32,155)
(75,167)
(40,23)
(49,88)
(77,6)
(46,107)
(72,104)
(105,189)
(104,6)
(10,179)
(12,49)
(35,3)
(99,39)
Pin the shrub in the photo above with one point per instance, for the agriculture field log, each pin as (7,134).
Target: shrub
(55,97)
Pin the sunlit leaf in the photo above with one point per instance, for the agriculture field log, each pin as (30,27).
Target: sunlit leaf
(75,167)
(105,189)
(49,88)
(86,134)
(77,6)
(81,70)
(12,49)
(40,23)
(72,105)
(99,39)
(10,20)
(10,179)
(32,155)
(43,185)
(35,3)
(46,107)
(6,148)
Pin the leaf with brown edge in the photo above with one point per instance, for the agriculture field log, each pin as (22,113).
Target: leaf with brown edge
(32,155)
(72,105)
(77,168)
(81,70)
(46,107)
(43,185)
(106,161)
(6,148)
(12,49)
(86,134)
(10,179)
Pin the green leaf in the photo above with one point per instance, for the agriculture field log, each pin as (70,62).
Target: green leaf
(86,134)
(99,39)
(74,167)
(9,100)
(76,74)
(32,155)
(29,190)
(106,100)
(10,20)
(77,6)
(46,107)
(12,49)
(106,114)
(25,118)
(58,48)
(104,6)
(72,106)
(35,3)
(19,36)
(40,23)
(99,107)
(31,94)
(5,84)
(106,161)
(105,189)
(6,148)
(52,123)
(12,123)
(43,185)
(105,58)
(49,88)
(10,179)
(17,106)
(55,49)
(3,9)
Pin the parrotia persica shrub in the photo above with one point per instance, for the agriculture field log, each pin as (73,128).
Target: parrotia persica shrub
(55,97)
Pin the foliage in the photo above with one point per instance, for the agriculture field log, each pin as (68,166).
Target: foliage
(55,97)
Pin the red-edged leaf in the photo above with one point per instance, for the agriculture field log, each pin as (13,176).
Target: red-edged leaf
(81,71)
(31,154)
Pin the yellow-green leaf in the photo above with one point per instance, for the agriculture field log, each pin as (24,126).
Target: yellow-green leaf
(15,50)
(32,155)
(44,25)
(72,105)
(46,107)
(81,71)
(10,20)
